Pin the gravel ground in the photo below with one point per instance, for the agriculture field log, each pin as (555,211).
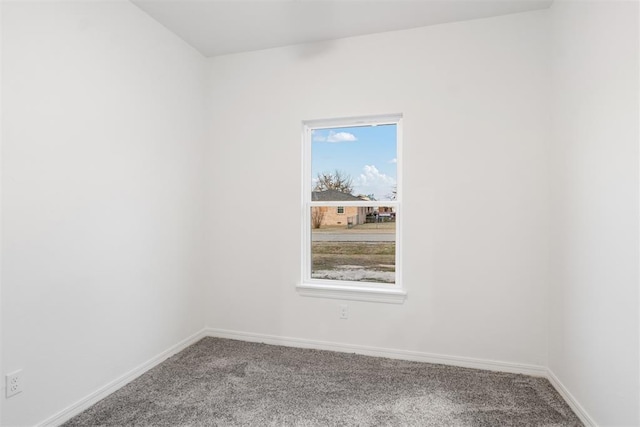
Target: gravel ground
(355,273)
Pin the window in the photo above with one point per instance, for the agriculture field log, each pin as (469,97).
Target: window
(352,209)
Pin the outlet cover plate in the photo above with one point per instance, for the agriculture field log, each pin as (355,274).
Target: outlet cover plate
(13,383)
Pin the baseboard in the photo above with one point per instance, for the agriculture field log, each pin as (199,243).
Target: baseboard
(102,392)
(465,362)
(571,401)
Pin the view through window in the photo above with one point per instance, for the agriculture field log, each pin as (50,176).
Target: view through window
(353,202)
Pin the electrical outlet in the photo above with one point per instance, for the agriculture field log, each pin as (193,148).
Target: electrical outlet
(13,383)
(344,311)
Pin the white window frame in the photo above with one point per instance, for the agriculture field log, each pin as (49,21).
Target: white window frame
(342,289)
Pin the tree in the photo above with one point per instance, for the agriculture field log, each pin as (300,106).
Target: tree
(394,193)
(317,216)
(336,180)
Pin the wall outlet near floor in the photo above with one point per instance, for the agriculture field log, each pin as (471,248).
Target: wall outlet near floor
(344,311)
(13,383)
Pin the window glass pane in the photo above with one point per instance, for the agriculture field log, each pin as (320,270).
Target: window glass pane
(354,163)
(359,245)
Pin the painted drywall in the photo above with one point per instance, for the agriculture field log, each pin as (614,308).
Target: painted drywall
(103,135)
(474,99)
(593,326)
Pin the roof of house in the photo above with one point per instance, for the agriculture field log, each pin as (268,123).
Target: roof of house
(332,196)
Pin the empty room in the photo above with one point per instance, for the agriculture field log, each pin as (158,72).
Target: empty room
(317,213)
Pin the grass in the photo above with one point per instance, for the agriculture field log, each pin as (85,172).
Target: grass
(376,256)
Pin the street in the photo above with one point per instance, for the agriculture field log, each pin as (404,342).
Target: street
(353,237)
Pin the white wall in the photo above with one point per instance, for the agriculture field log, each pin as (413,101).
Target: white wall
(103,135)
(593,333)
(474,99)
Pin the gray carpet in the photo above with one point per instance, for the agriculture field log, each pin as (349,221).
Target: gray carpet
(235,383)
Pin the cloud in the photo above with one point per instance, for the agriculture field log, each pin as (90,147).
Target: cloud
(372,181)
(370,174)
(341,137)
(394,160)
(333,136)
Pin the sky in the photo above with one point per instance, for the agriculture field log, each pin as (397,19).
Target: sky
(367,153)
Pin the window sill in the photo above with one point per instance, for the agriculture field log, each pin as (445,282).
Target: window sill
(353,293)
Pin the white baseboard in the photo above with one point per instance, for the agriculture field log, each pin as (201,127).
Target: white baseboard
(571,401)
(102,392)
(465,362)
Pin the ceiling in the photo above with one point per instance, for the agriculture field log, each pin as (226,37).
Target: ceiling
(218,27)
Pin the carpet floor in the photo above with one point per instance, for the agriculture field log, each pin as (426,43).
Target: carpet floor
(234,383)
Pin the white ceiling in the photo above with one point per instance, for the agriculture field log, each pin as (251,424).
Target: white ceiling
(217,27)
